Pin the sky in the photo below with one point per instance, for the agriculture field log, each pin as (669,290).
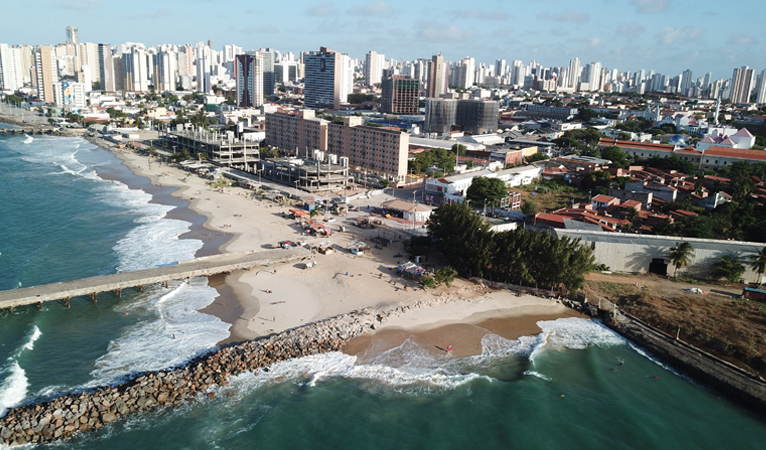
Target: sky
(668,36)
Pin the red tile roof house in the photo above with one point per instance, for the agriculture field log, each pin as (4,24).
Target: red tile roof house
(722,157)
(640,149)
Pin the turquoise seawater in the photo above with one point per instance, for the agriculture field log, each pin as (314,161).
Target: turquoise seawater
(576,385)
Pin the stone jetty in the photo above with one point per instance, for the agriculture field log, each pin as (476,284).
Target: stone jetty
(63,417)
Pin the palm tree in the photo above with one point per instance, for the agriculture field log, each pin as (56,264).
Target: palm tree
(758,263)
(680,256)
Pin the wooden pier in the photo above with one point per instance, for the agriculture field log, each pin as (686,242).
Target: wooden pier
(205,266)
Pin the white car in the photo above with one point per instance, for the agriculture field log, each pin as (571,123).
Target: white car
(331,219)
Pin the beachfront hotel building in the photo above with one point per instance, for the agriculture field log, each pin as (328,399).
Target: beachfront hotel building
(376,149)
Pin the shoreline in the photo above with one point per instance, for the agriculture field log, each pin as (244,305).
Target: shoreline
(263,302)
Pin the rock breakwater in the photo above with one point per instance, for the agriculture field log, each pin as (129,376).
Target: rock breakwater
(62,418)
(65,416)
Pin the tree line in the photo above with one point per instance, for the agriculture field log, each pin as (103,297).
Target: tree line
(727,266)
(517,256)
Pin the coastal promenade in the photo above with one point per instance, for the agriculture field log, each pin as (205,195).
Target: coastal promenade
(205,266)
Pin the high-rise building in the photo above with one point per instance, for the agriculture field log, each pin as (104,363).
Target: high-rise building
(106,68)
(760,88)
(574,73)
(11,69)
(686,82)
(286,72)
(474,116)
(437,77)
(463,73)
(373,67)
(135,70)
(741,85)
(326,78)
(164,77)
(517,73)
(500,68)
(68,94)
(400,95)
(72,36)
(592,76)
(248,70)
(269,77)
(47,74)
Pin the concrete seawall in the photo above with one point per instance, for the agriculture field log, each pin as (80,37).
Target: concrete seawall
(721,376)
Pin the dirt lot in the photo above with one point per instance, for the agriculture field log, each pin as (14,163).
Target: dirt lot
(547,200)
(719,322)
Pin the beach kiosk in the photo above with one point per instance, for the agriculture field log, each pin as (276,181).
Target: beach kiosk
(358,248)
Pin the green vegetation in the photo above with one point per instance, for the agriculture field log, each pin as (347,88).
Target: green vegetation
(445,275)
(618,157)
(681,256)
(115,114)
(439,157)
(728,267)
(758,263)
(579,139)
(517,256)
(529,207)
(586,114)
(537,157)
(359,98)
(486,189)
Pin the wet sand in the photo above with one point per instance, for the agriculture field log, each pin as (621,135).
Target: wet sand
(463,338)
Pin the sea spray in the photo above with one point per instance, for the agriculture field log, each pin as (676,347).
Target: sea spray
(13,389)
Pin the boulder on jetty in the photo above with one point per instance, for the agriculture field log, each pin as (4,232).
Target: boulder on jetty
(63,417)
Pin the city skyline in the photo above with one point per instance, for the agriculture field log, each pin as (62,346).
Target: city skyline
(662,35)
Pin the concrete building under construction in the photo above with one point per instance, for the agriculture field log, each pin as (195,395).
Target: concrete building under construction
(223,149)
(321,172)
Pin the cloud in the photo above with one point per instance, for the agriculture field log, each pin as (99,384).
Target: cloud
(77,5)
(670,35)
(741,39)
(502,32)
(438,32)
(379,8)
(478,13)
(632,29)
(595,42)
(565,16)
(650,6)
(159,14)
(324,9)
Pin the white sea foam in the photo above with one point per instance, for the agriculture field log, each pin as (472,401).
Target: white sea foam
(533,373)
(33,337)
(413,369)
(180,332)
(28,139)
(155,243)
(13,388)
(420,376)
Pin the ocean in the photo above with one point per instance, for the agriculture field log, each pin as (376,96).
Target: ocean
(71,210)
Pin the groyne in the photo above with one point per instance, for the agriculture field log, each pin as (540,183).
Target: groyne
(63,417)
(710,371)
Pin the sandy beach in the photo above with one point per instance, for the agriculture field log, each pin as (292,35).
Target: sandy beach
(273,299)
